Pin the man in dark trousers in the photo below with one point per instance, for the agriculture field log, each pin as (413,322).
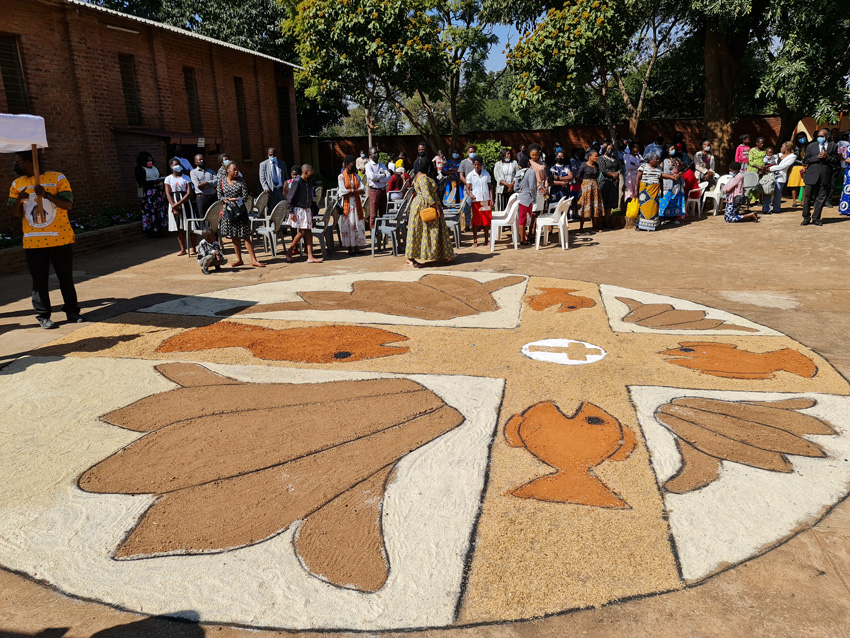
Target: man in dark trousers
(48,236)
(820,161)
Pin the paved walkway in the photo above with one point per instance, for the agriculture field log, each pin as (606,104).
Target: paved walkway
(774,273)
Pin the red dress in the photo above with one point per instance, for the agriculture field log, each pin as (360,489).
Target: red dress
(690,181)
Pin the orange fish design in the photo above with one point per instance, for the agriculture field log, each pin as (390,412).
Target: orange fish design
(573,446)
(321,344)
(560,297)
(725,360)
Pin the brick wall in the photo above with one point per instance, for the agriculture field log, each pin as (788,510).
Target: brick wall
(333,150)
(70,59)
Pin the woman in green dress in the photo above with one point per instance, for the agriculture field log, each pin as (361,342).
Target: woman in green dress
(756,164)
(427,241)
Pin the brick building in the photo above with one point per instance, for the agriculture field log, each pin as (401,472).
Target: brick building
(110,85)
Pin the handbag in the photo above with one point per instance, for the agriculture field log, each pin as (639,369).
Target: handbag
(633,208)
(767,184)
(428,214)
(234,213)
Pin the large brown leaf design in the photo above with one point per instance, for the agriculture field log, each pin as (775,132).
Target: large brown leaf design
(433,297)
(761,434)
(255,458)
(726,360)
(663,316)
(320,344)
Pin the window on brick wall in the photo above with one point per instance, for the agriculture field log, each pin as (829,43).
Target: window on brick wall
(243,117)
(127,66)
(12,71)
(192,99)
(284,114)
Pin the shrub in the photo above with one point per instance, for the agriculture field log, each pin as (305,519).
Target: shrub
(489,151)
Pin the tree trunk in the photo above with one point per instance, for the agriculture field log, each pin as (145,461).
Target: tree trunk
(722,55)
(367,115)
(789,118)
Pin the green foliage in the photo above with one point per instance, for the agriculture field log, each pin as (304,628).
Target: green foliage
(489,151)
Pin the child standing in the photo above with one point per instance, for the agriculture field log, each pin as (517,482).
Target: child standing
(209,252)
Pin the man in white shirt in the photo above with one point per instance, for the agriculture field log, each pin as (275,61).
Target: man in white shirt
(377,179)
(272,176)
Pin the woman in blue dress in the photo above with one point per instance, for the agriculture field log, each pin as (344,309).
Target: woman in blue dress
(672,204)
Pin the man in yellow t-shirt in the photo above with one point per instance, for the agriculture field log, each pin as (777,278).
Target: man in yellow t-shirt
(48,236)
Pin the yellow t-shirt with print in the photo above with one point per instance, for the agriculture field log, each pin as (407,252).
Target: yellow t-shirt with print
(53,227)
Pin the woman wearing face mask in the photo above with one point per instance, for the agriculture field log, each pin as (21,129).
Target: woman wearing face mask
(177,190)
(151,195)
(632,160)
(609,181)
(504,172)
(590,203)
(795,175)
(232,189)
(704,164)
(525,187)
(453,183)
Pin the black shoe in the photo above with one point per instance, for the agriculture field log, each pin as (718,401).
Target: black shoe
(47,324)
(204,270)
(76,319)
(805,222)
(818,223)
(218,268)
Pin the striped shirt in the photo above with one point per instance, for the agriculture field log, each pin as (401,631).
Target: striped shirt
(650,175)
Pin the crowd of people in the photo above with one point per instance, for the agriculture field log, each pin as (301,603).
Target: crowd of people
(650,185)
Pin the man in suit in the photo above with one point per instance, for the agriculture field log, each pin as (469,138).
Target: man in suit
(272,176)
(820,161)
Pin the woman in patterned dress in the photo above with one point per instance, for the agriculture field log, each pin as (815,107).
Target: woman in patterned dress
(649,177)
(844,202)
(151,195)
(232,189)
(427,241)
(609,181)
(590,203)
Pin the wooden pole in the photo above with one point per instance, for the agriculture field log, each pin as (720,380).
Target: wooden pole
(38,218)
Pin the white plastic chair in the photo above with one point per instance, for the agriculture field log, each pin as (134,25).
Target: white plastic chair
(696,198)
(717,195)
(558,219)
(510,219)
(751,183)
(272,232)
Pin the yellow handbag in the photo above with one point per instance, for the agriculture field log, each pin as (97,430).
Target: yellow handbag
(633,209)
(428,214)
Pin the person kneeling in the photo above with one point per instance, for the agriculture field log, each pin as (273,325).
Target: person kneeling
(209,252)
(735,196)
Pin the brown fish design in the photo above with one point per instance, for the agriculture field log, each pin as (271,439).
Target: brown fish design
(663,316)
(760,434)
(321,344)
(573,446)
(233,464)
(725,360)
(560,297)
(433,297)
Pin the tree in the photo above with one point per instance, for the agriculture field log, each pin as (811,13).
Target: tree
(807,73)
(343,45)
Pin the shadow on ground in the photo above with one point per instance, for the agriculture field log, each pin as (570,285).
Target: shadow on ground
(153,627)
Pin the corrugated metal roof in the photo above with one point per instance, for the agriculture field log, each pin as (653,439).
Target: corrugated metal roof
(178,30)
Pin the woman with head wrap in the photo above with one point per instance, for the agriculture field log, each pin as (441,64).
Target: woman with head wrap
(352,225)
(649,193)
(427,241)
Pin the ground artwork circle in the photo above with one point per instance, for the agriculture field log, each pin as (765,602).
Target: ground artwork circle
(395,450)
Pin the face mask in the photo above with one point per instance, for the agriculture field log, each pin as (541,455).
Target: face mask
(706,149)
(422,154)
(470,155)
(200,164)
(821,139)
(507,160)
(273,160)
(363,155)
(455,155)
(177,168)
(802,140)
(672,153)
(561,160)
(375,157)
(149,164)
